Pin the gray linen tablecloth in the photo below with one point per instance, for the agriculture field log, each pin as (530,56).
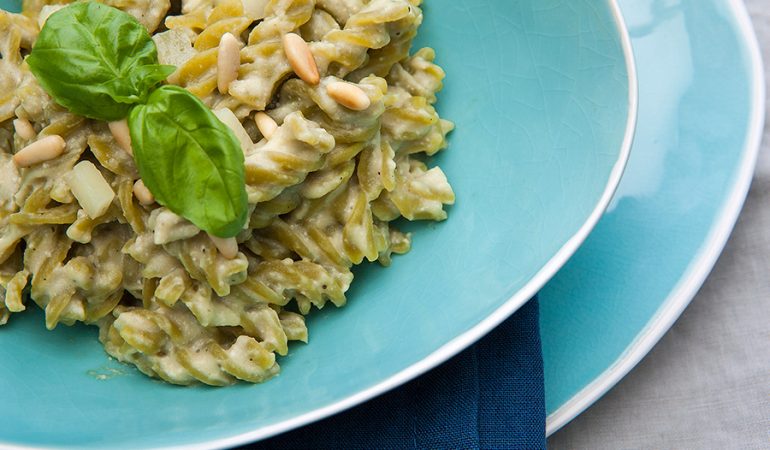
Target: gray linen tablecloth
(706,385)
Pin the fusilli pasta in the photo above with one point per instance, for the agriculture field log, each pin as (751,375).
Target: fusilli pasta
(323,187)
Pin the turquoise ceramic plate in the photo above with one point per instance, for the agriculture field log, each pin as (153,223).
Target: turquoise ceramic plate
(545,102)
(700,119)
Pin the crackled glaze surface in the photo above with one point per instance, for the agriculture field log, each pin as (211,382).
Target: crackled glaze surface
(539,90)
(700,115)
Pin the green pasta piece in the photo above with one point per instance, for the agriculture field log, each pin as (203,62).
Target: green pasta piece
(322,189)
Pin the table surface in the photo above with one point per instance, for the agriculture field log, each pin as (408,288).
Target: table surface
(707,382)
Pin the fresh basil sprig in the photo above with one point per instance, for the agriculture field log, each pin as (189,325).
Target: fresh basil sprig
(96,61)
(189,160)
(99,62)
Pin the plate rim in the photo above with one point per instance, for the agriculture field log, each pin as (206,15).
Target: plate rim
(703,261)
(469,337)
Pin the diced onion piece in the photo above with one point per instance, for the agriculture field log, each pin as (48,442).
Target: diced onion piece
(227,117)
(91,190)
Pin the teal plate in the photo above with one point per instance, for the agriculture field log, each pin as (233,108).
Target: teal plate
(544,97)
(701,112)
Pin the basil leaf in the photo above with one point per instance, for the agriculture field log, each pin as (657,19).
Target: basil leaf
(96,61)
(190,161)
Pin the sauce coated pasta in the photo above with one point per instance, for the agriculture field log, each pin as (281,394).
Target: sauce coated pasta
(334,116)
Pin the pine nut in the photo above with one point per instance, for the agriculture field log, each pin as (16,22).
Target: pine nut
(228,247)
(228,62)
(143,194)
(301,58)
(266,124)
(41,151)
(348,95)
(119,130)
(24,129)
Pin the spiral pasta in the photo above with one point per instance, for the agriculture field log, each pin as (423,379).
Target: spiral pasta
(324,183)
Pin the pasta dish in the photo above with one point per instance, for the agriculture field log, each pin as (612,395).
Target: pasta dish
(205,279)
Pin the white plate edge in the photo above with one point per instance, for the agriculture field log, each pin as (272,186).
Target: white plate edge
(469,337)
(472,335)
(706,258)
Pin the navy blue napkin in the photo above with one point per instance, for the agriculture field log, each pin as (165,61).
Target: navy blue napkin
(489,396)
